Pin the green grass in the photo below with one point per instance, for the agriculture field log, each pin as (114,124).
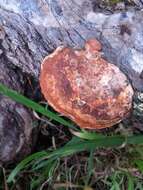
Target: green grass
(115,1)
(31,104)
(113,161)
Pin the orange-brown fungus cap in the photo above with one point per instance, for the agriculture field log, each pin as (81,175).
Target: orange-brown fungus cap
(84,87)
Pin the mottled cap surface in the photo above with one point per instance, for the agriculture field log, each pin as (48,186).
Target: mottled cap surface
(83,86)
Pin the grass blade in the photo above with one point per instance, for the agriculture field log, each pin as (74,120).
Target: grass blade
(23,164)
(33,105)
(87,135)
(130,182)
(82,145)
(90,167)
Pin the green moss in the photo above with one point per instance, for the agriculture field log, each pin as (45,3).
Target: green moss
(114,1)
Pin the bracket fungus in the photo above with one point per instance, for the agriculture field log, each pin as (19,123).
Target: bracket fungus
(83,86)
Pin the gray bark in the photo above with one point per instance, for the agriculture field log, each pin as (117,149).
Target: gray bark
(15,120)
(29,30)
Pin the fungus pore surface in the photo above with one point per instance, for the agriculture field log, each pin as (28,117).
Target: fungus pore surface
(83,86)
